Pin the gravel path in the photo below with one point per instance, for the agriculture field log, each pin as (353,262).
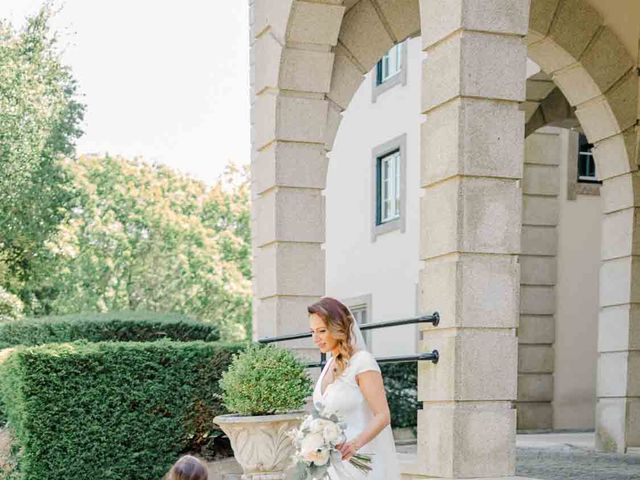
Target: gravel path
(568,462)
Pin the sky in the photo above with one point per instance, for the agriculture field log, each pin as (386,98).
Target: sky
(165,80)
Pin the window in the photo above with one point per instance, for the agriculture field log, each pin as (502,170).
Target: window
(360,306)
(388,181)
(389,65)
(586,164)
(391,70)
(581,169)
(361,317)
(388,187)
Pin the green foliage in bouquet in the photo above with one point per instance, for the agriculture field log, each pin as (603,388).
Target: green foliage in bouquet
(315,444)
(265,380)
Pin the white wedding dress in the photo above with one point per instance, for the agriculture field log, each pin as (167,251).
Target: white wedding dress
(344,396)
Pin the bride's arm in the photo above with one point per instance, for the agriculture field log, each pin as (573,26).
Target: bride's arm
(372,387)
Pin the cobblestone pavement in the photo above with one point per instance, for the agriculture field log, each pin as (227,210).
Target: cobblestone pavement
(574,463)
(566,457)
(540,457)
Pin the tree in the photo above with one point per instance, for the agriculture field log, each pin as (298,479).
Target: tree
(39,121)
(146,237)
(10,306)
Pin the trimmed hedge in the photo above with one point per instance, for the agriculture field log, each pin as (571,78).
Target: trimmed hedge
(123,326)
(401,385)
(110,410)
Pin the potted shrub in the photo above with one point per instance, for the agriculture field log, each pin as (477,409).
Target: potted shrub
(266,387)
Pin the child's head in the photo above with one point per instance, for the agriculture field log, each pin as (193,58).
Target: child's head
(188,468)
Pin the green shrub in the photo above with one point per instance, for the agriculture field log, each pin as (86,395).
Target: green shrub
(110,411)
(264,380)
(113,326)
(401,385)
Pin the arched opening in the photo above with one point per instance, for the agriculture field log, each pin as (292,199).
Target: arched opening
(559,261)
(596,74)
(310,58)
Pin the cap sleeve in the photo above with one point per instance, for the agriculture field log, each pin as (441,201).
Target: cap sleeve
(364,361)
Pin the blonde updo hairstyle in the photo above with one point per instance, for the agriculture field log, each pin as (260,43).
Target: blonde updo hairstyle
(339,322)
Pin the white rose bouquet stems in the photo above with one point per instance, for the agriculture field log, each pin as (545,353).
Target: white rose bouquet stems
(315,443)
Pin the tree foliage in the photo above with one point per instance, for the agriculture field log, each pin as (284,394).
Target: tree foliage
(103,233)
(144,237)
(10,307)
(40,114)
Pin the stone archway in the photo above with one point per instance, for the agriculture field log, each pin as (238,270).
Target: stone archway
(308,59)
(308,63)
(598,77)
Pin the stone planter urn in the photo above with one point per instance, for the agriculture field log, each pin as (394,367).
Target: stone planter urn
(260,443)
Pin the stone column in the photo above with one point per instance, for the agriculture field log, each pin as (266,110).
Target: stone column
(538,276)
(291,67)
(472,157)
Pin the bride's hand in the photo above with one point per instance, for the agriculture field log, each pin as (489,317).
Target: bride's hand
(348,449)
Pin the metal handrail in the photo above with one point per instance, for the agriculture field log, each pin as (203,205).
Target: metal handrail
(433,356)
(433,318)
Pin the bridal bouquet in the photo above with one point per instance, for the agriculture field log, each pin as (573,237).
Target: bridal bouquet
(315,443)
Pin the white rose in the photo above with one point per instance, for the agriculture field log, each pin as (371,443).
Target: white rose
(329,411)
(311,443)
(319,457)
(332,433)
(322,457)
(319,424)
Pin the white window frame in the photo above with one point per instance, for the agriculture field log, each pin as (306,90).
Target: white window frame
(362,302)
(390,186)
(398,220)
(391,59)
(399,77)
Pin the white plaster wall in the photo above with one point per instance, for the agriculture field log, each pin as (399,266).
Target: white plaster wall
(577,306)
(387,268)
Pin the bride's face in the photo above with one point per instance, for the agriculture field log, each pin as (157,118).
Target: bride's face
(320,333)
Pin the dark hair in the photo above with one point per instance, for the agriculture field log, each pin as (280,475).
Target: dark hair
(188,468)
(339,322)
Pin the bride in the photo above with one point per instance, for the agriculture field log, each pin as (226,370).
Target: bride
(351,385)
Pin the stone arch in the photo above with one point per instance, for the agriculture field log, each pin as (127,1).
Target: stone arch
(308,59)
(567,38)
(551,110)
(598,77)
(594,71)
